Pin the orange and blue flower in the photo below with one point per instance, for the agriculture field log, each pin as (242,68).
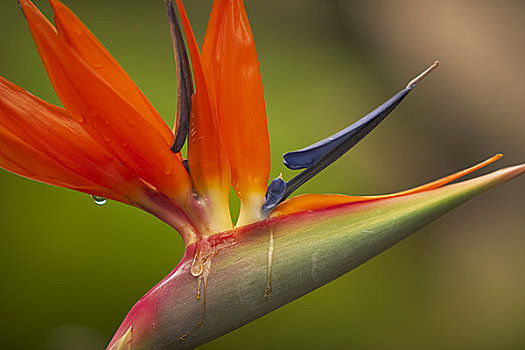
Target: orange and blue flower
(109,141)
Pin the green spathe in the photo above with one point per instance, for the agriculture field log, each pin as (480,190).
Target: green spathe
(281,259)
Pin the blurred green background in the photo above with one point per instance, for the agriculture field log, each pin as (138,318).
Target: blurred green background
(71,270)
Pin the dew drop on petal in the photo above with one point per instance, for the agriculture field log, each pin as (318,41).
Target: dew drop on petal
(98,200)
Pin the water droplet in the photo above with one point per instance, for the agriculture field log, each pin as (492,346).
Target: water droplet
(106,139)
(106,121)
(98,65)
(99,200)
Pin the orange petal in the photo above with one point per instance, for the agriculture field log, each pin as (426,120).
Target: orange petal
(230,58)
(208,161)
(104,113)
(93,53)
(22,159)
(51,131)
(322,201)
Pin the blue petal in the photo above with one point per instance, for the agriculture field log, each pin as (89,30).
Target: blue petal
(333,147)
(274,194)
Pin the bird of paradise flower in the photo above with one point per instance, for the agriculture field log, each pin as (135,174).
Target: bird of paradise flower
(108,141)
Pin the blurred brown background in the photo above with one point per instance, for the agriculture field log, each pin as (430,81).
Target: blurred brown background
(71,270)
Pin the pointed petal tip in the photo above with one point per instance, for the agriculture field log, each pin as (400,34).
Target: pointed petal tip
(510,172)
(23,5)
(309,202)
(58,7)
(320,155)
(412,84)
(333,145)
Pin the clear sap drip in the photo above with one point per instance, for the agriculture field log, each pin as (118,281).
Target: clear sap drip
(271,247)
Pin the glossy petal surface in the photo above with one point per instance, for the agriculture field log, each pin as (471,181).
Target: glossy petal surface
(104,113)
(43,142)
(230,58)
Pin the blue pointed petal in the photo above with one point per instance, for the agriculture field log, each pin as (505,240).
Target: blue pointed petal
(274,194)
(320,155)
(331,148)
